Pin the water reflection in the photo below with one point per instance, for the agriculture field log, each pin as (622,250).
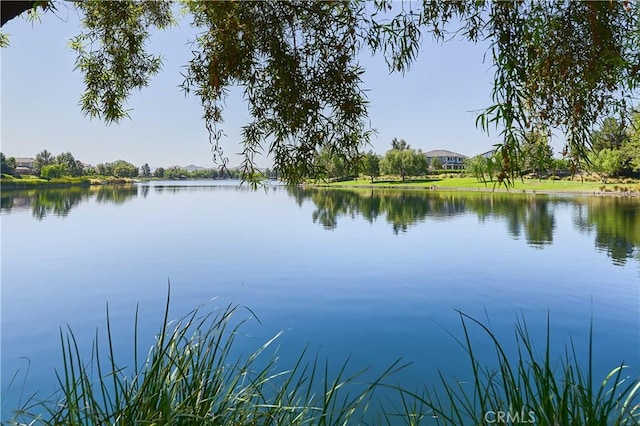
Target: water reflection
(614,222)
(528,215)
(116,194)
(60,201)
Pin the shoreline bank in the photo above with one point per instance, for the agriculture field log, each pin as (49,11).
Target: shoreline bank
(604,190)
(406,187)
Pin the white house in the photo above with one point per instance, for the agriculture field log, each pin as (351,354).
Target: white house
(24,165)
(449,160)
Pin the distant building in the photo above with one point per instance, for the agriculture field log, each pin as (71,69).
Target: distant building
(449,160)
(24,165)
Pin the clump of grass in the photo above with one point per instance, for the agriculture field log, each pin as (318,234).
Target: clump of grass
(528,389)
(190,378)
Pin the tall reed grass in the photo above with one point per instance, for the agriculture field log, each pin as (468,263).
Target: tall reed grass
(190,377)
(530,388)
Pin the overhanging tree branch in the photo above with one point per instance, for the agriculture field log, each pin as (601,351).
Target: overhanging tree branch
(11,9)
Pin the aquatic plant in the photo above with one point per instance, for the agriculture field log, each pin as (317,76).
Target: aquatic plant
(528,388)
(192,377)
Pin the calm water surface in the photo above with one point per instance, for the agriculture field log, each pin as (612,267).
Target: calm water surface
(375,275)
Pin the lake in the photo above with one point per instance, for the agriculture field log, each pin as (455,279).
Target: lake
(374,275)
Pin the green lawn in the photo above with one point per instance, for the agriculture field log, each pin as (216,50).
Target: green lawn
(545,185)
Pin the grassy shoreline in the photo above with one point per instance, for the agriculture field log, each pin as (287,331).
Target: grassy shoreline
(621,187)
(626,187)
(35,183)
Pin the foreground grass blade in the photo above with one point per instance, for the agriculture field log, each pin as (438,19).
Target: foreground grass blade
(191,376)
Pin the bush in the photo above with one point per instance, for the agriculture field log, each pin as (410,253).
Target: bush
(53,171)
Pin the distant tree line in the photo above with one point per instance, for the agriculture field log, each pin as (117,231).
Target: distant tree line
(614,151)
(401,160)
(536,157)
(48,166)
(182,173)
(119,168)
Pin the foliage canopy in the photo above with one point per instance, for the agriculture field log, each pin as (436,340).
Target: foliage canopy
(558,65)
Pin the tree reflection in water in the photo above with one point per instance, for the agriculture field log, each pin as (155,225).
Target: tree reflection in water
(614,220)
(616,224)
(60,201)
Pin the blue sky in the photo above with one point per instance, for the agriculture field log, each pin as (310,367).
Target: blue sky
(433,106)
